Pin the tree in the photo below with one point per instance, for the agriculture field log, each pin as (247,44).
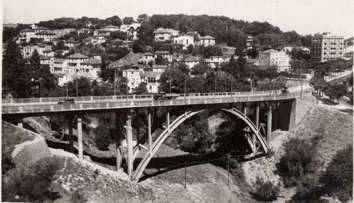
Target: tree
(119,35)
(114,20)
(142,18)
(141,89)
(172,79)
(138,46)
(338,177)
(298,160)
(200,69)
(15,74)
(128,20)
(80,87)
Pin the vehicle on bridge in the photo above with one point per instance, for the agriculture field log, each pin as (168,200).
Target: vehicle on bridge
(165,96)
(285,90)
(66,100)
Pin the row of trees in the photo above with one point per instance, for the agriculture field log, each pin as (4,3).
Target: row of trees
(83,22)
(224,29)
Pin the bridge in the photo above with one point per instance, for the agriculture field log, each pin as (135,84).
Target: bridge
(236,104)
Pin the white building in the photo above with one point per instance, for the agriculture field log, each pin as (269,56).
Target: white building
(46,36)
(42,50)
(184,40)
(215,61)
(147,57)
(165,34)
(191,61)
(111,28)
(327,47)
(159,68)
(152,80)
(76,66)
(349,47)
(165,55)
(25,36)
(206,41)
(133,79)
(274,58)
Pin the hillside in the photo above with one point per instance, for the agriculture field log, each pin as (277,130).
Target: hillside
(333,130)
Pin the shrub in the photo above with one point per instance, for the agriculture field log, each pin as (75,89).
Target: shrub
(102,136)
(266,190)
(338,177)
(297,161)
(33,183)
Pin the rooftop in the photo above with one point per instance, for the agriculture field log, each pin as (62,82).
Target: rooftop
(77,56)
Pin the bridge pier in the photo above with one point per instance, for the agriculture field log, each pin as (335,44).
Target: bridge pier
(149,130)
(168,119)
(292,121)
(71,136)
(257,117)
(79,138)
(20,123)
(129,137)
(269,123)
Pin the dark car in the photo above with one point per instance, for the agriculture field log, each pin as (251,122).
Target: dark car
(66,101)
(285,90)
(165,96)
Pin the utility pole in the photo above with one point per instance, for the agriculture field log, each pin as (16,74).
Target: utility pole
(185,88)
(77,87)
(170,84)
(228,169)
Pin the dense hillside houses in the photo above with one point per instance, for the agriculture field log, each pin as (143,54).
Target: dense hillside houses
(274,58)
(42,50)
(76,66)
(81,50)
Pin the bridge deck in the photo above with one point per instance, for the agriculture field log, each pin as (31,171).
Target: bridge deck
(32,106)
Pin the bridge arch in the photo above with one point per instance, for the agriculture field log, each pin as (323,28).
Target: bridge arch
(257,137)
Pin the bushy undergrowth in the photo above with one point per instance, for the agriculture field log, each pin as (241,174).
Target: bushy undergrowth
(32,183)
(338,177)
(266,190)
(298,160)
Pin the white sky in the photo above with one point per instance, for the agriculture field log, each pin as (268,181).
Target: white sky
(303,16)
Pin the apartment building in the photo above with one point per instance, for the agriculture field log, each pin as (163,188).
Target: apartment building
(274,58)
(184,40)
(165,34)
(206,41)
(327,47)
(349,47)
(75,66)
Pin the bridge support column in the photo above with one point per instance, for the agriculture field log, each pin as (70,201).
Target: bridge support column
(20,124)
(292,121)
(257,117)
(168,119)
(244,109)
(129,134)
(79,138)
(71,136)
(149,131)
(269,123)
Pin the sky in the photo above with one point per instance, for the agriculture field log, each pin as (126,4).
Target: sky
(303,16)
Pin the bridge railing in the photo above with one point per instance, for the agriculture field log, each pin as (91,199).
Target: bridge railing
(133,97)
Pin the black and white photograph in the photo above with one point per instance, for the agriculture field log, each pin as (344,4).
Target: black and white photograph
(159,101)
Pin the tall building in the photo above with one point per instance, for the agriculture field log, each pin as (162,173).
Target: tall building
(349,47)
(327,47)
(274,58)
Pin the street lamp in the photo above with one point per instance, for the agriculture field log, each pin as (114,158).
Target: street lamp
(250,81)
